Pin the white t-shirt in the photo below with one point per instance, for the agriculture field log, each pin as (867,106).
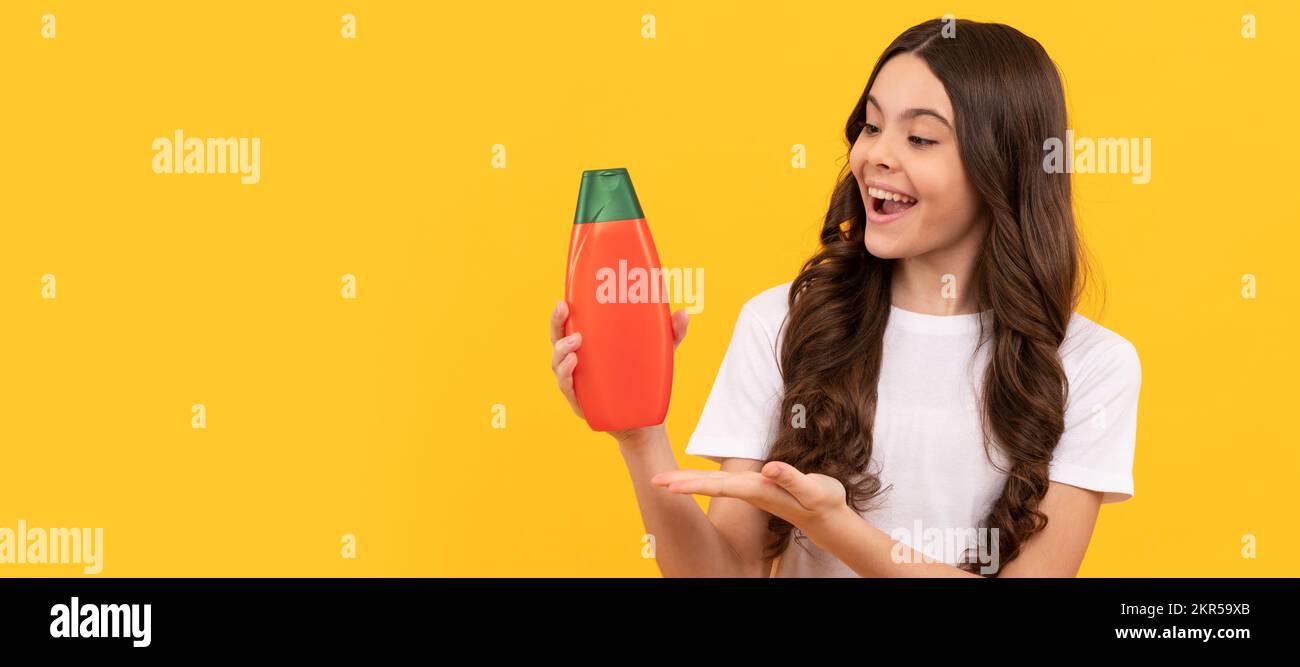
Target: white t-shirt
(927,438)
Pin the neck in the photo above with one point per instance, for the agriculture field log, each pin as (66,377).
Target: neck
(940,282)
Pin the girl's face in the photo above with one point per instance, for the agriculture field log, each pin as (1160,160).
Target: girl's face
(909,147)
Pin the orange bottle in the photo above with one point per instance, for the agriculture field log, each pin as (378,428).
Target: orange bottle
(618,301)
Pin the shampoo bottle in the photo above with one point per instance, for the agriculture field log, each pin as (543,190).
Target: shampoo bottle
(618,302)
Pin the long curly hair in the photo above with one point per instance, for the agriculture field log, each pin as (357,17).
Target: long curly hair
(1008,99)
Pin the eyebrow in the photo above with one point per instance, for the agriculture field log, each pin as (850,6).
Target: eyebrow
(913,113)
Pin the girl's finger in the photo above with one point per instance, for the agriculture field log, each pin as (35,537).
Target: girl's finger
(558,316)
(680,321)
(564,346)
(793,481)
(564,374)
(669,476)
(750,487)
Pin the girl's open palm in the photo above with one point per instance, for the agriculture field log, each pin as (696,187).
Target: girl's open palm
(779,488)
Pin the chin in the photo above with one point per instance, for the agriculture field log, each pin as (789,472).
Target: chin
(879,246)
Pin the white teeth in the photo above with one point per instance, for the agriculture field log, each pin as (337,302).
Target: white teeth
(885,194)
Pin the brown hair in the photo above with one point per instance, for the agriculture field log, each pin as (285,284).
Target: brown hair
(1008,99)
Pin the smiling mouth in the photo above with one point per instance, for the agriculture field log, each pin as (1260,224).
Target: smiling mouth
(889,203)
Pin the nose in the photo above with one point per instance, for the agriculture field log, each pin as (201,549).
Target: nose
(879,156)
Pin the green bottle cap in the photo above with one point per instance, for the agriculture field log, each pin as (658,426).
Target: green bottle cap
(606,194)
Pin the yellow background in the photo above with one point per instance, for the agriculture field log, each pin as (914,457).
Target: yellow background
(373,417)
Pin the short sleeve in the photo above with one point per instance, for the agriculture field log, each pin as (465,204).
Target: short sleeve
(1096,449)
(740,415)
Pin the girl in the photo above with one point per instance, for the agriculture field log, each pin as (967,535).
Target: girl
(922,399)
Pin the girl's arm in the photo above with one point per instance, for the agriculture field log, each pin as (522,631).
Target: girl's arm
(816,505)
(725,543)
(687,543)
(1055,551)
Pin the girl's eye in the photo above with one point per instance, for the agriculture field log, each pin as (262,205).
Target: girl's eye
(871,130)
(921,142)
